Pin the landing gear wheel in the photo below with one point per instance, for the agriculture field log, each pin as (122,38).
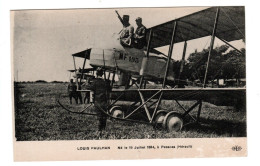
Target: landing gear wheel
(117,112)
(158,119)
(173,121)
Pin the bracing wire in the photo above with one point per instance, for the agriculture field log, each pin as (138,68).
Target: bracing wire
(233,23)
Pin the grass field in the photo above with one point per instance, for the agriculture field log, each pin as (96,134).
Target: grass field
(39,117)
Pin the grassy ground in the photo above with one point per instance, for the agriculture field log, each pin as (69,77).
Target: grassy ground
(39,117)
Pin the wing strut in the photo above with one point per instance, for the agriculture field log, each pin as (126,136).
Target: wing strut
(211,45)
(147,54)
(166,69)
(81,76)
(75,72)
(182,60)
(169,53)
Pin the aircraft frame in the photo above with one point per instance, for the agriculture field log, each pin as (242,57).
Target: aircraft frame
(172,121)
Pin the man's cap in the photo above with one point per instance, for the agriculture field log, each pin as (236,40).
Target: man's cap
(99,71)
(126,17)
(138,19)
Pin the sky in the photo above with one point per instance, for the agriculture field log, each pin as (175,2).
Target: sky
(43,40)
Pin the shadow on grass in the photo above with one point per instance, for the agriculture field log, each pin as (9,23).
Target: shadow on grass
(218,127)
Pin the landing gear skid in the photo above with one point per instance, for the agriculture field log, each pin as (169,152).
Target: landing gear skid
(77,112)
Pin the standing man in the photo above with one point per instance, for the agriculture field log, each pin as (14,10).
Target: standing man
(101,90)
(79,96)
(72,90)
(140,34)
(126,34)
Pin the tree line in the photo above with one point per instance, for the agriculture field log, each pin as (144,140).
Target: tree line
(224,64)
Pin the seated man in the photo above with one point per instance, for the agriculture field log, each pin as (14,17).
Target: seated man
(140,34)
(126,34)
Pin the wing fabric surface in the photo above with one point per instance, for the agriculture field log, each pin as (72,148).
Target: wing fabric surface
(230,26)
(217,96)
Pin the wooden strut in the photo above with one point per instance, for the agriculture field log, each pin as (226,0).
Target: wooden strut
(166,69)
(145,82)
(152,103)
(104,66)
(184,109)
(147,54)
(182,60)
(113,78)
(109,76)
(199,111)
(116,100)
(169,53)
(81,76)
(191,108)
(156,107)
(136,85)
(143,104)
(211,45)
(114,72)
(75,69)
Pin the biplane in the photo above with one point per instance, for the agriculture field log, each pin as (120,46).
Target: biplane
(135,67)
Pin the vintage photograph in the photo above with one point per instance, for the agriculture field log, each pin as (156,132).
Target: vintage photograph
(129,74)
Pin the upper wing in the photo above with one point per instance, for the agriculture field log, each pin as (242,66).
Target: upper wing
(230,26)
